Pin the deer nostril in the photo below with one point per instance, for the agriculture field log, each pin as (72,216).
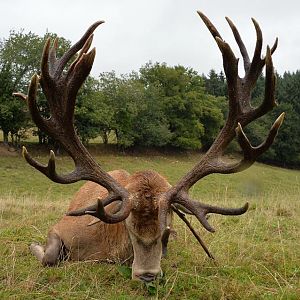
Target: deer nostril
(147,277)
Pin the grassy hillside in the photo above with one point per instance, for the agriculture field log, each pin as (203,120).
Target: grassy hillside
(257,254)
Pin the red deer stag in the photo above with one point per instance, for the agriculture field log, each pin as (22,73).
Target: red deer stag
(131,215)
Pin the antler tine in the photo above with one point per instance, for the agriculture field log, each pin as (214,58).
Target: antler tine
(213,30)
(269,99)
(270,83)
(240,43)
(98,210)
(92,210)
(21,96)
(84,50)
(43,123)
(75,79)
(196,235)
(230,64)
(47,80)
(45,66)
(48,62)
(274,47)
(52,53)
(259,40)
(49,170)
(257,63)
(75,48)
(250,152)
(118,216)
(200,210)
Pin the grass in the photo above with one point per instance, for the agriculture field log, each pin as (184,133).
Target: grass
(257,254)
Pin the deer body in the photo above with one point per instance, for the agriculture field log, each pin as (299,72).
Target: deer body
(100,241)
(136,210)
(111,242)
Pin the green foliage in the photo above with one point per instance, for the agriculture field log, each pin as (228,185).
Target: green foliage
(288,146)
(123,97)
(12,111)
(185,104)
(21,53)
(92,114)
(158,106)
(215,83)
(151,123)
(286,150)
(20,56)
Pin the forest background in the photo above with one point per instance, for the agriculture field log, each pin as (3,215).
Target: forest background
(158,106)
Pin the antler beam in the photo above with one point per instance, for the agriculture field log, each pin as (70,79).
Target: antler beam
(60,87)
(240,114)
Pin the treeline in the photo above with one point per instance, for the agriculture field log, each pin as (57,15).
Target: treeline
(158,106)
(286,149)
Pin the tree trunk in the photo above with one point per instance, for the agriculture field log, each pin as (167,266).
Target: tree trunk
(12,137)
(40,139)
(104,137)
(18,140)
(117,136)
(5,137)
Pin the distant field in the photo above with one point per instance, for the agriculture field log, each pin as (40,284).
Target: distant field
(257,254)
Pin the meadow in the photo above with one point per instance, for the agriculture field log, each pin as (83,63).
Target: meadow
(257,254)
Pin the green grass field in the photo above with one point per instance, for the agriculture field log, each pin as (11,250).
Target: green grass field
(257,254)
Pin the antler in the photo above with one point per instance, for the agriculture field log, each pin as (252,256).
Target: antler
(240,114)
(60,88)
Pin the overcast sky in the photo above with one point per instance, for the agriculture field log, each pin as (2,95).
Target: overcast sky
(136,31)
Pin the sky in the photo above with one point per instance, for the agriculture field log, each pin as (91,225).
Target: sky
(138,31)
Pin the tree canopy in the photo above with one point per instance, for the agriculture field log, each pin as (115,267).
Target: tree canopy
(20,56)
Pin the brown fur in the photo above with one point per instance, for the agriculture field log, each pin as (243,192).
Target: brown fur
(111,242)
(93,242)
(147,187)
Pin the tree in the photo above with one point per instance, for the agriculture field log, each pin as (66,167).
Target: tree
(127,102)
(92,114)
(192,115)
(287,147)
(118,113)
(151,123)
(135,113)
(20,56)
(12,111)
(215,84)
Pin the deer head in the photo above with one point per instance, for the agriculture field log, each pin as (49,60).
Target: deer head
(145,211)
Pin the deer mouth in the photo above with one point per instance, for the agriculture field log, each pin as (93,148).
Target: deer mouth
(147,277)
